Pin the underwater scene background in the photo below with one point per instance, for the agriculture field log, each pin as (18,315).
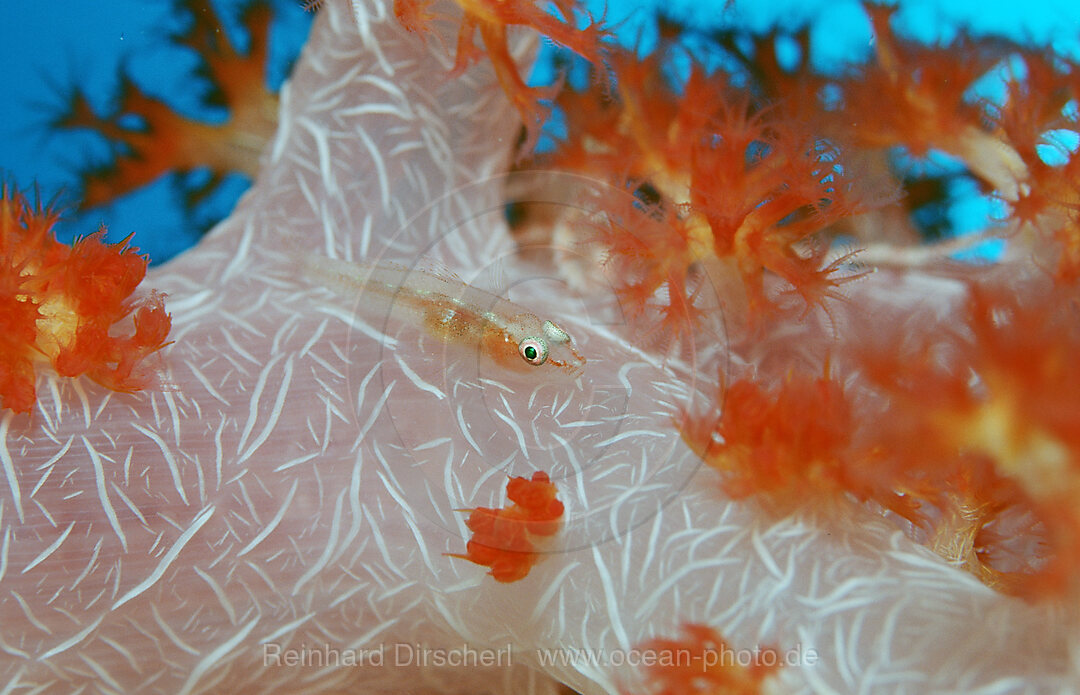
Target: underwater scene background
(55,52)
(694,350)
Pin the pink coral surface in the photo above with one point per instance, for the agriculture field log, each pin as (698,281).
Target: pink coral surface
(288,500)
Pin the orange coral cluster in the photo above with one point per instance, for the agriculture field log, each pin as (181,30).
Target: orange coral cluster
(919,92)
(703,663)
(159,140)
(63,303)
(792,444)
(741,187)
(975,432)
(491,19)
(745,175)
(922,100)
(1001,419)
(503,538)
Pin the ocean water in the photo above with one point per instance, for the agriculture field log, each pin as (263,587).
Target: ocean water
(50,49)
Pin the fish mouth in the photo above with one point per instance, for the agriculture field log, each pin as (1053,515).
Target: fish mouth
(575,370)
(576,364)
(569,369)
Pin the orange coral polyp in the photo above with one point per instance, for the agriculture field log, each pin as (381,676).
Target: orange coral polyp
(63,303)
(772,443)
(741,185)
(502,537)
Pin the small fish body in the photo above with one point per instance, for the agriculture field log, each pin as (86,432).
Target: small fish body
(454,313)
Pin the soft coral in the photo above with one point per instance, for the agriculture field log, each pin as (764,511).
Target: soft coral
(794,444)
(964,432)
(160,140)
(63,303)
(491,19)
(917,96)
(987,421)
(743,185)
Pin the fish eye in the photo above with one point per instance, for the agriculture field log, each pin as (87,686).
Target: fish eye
(534,351)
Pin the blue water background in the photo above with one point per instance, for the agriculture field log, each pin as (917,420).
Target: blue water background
(49,47)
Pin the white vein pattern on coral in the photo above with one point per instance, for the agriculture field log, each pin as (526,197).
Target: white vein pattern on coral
(299,486)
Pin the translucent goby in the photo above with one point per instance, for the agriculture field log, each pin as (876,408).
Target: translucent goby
(499,331)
